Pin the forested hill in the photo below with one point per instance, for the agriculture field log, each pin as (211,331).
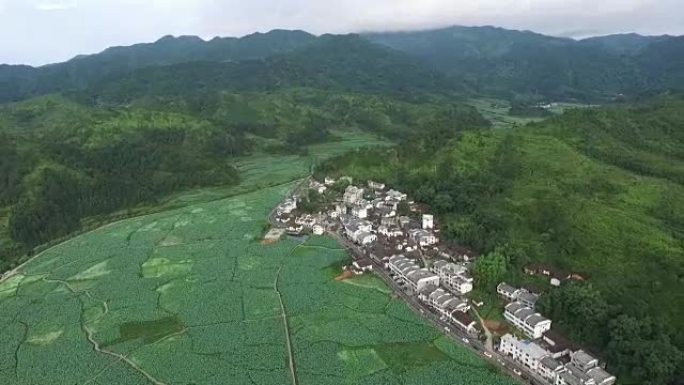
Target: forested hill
(20,82)
(598,192)
(528,65)
(332,62)
(524,65)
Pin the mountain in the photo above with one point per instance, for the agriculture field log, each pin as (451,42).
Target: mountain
(531,66)
(624,44)
(20,82)
(331,62)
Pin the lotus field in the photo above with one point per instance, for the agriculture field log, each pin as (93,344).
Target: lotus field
(190,296)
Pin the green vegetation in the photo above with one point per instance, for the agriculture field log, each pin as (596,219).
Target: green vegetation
(596,192)
(68,163)
(539,68)
(188,296)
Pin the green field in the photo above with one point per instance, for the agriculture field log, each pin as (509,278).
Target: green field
(496,111)
(188,296)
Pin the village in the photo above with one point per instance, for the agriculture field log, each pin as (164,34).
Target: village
(399,239)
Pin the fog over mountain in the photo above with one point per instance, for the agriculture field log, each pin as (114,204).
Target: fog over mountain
(47,31)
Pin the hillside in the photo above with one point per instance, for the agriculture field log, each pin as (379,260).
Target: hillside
(20,82)
(597,192)
(340,63)
(533,67)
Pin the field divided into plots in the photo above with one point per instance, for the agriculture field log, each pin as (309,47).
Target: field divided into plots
(189,296)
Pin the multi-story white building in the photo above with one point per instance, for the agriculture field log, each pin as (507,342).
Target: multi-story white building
(423,237)
(526,319)
(514,294)
(453,277)
(428,221)
(352,195)
(549,368)
(360,211)
(288,206)
(446,303)
(390,232)
(394,195)
(527,353)
(415,277)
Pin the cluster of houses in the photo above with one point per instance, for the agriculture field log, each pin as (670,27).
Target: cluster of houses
(394,232)
(545,352)
(447,300)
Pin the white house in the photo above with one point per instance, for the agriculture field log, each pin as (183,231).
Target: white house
(514,294)
(446,303)
(573,375)
(583,360)
(428,221)
(352,195)
(526,319)
(329,181)
(318,230)
(360,211)
(526,298)
(549,368)
(601,377)
(288,206)
(390,232)
(365,238)
(453,277)
(307,221)
(363,264)
(417,279)
(394,195)
(376,185)
(463,320)
(414,276)
(423,237)
(525,352)
(507,291)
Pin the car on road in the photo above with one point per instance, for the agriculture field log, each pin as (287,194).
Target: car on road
(446,329)
(487,354)
(465,340)
(516,371)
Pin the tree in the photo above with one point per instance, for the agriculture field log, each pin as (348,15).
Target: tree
(490,269)
(580,309)
(642,348)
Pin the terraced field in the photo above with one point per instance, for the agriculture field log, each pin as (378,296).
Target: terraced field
(189,296)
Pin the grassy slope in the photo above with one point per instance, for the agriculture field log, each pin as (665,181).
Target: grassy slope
(188,295)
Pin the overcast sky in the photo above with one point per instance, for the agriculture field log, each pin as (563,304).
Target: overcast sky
(44,31)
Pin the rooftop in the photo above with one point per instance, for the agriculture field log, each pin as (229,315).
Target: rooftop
(550,363)
(419,274)
(513,307)
(462,317)
(503,286)
(599,375)
(582,358)
(529,347)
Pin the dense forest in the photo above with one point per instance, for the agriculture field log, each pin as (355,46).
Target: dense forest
(597,192)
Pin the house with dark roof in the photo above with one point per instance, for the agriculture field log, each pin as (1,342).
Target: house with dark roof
(464,321)
(526,319)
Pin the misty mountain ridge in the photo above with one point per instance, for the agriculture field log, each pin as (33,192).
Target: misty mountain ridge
(476,60)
